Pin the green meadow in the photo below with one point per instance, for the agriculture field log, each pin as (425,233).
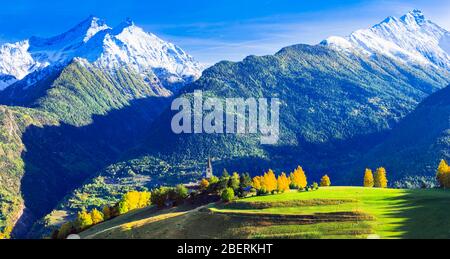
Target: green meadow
(331,212)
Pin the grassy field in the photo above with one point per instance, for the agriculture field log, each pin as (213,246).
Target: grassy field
(334,212)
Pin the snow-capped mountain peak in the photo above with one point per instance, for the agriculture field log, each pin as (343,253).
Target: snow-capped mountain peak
(415,17)
(102,46)
(19,59)
(411,38)
(15,60)
(128,44)
(74,37)
(94,25)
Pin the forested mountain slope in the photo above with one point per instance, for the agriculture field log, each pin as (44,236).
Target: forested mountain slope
(418,143)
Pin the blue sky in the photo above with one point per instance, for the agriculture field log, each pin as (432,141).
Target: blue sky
(213,30)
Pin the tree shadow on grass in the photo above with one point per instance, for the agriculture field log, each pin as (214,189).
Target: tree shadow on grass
(420,214)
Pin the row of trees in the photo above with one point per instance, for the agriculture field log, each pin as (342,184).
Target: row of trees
(83,221)
(227,186)
(443,174)
(169,196)
(379,180)
(161,197)
(230,186)
(131,201)
(269,183)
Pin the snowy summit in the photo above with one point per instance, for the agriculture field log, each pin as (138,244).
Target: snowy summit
(94,41)
(411,39)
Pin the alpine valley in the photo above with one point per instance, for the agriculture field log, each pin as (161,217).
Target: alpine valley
(86,115)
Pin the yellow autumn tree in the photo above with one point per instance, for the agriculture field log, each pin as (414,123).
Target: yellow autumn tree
(269,183)
(96,216)
(84,220)
(283,183)
(298,178)
(128,202)
(256,182)
(443,174)
(380,178)
(368,178)
(134,200)
(325,181)
(144,199)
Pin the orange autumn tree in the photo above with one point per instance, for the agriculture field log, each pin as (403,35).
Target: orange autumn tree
(368,178)
(204,184)
(283,183)
(298,178)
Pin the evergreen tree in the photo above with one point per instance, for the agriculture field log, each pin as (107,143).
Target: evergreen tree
(181,193)
(65,230)
(106,212)
(234,181)
(227,195)
(160,196)
(222,184)
(225,173)
(245,180)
